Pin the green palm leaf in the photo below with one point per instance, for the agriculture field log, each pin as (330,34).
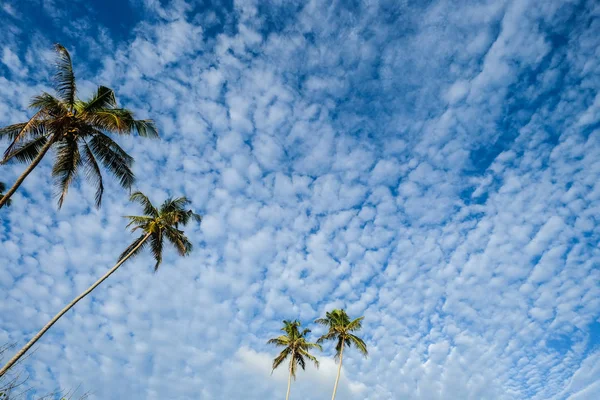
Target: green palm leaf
(17,133)
(280,358)
(104,98)
(48,105)
(141,198)
(132,246)
(68,161)
(64,80)
(359,343)
(113,158)
(26,151)
(92,172)
(156,245)
(178,239)
(145,128)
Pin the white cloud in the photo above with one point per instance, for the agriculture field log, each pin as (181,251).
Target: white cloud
(432,167)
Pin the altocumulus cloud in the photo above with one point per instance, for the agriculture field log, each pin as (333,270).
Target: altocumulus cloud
(433,166)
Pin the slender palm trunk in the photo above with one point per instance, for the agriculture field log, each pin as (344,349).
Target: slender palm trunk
(339,371)
(287,396)
(67,308)
(4,199)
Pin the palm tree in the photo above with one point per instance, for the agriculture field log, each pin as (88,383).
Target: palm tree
(296,347)
(2,189)
(78,132)
(156,225)
(340,329)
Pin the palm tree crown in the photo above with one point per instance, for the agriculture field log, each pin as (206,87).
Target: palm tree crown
(78,132)
(341,328)
(158,224)
(295,345)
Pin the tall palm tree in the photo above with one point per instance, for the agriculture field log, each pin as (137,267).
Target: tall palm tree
(78,132)
(2,189)
(296,347)
(156,224)
(341,328)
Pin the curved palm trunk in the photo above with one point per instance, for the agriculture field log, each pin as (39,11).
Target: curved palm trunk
(4,199)
(67,308)
(337,379)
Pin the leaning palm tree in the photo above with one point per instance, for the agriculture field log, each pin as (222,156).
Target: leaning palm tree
(156,224)
(296,347)
(2,189)
(78,132)
(340,329)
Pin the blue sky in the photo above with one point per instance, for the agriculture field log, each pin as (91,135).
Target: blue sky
(433,166)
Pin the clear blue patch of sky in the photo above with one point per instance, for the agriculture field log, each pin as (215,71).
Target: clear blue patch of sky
(561,344)
(119,17)
(594,332)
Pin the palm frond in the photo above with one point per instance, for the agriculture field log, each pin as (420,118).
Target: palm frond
(182,217)
(35,127)
(174,205)
(139,222)
(12,131)
(309,356)
(67,162)
(355,325)
(299,360)
(26,151)
(359,343)
(340,317)
(132,246)
(92,172)
(120,120)
(281,357)
(48,105)
(145,128)
(156,245)
(174,213)
(279,341)
(64,80)
(113,157)
(141,198)
(117,120)
(331,335)
(309,345)
(196,217)
(179,240)
(103,98)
